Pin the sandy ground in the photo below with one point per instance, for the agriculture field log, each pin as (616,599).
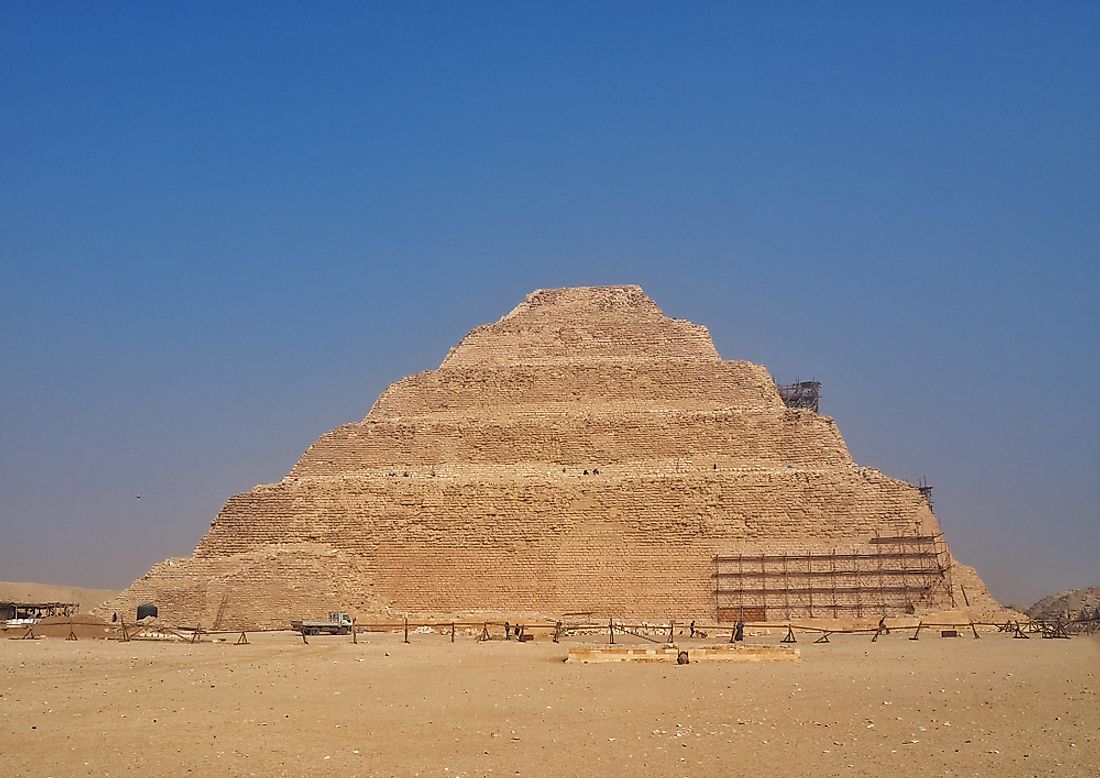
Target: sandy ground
(17,591)
(994,706)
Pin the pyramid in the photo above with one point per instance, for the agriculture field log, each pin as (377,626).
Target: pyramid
(583,454)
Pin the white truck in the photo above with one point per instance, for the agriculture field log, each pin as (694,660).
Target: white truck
(338,623)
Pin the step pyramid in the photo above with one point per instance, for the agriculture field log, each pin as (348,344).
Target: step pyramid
(583,454)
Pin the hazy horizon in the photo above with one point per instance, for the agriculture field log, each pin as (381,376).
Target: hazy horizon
(225,232)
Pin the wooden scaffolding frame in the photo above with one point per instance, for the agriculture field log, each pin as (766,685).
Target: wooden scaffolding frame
(887,575)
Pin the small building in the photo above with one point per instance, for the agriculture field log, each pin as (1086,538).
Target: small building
(35,611)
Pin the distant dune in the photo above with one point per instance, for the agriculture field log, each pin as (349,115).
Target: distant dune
(11,591)
(1074,603)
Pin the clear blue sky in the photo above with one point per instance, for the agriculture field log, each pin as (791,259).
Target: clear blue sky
(225,228)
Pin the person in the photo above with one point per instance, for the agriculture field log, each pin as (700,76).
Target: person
(739,631)
(114,617)
(692,628)
(882,626)
(507,631)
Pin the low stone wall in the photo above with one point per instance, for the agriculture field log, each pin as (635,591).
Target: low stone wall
(676,655)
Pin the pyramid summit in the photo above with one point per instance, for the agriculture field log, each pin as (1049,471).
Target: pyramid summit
(583,324)
(584,453)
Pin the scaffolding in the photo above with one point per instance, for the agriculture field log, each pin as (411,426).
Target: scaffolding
(925,489)
(801,394)
(887,575)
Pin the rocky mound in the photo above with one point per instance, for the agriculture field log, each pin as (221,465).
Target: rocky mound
(1070,604)
(80,625)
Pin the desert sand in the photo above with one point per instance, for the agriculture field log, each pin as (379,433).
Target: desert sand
(16,591)
(994,706)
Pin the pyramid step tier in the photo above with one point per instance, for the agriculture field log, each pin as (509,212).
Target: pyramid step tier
(589,439)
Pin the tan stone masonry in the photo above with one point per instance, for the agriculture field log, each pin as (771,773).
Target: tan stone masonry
(584,453)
